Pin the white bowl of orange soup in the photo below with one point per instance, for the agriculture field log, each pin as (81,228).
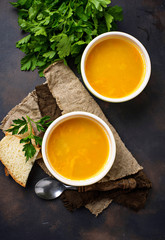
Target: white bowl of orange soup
(78,148)
(115,67)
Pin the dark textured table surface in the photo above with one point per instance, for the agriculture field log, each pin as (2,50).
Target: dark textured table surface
(140,123)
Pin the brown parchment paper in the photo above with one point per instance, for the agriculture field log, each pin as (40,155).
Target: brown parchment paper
(71,95)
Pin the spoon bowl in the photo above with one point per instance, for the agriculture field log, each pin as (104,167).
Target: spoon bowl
(50,188)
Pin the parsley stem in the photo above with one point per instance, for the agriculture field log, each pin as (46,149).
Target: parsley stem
(30,124)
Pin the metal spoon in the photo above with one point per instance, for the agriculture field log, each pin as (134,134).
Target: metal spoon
(48,188)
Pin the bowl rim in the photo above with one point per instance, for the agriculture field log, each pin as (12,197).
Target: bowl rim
(147,61)
(110,159)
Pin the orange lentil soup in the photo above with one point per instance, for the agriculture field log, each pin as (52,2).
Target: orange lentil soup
(78,148)
(115,68)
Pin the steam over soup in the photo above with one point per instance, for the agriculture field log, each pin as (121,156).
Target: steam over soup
(78,148)
(115,68)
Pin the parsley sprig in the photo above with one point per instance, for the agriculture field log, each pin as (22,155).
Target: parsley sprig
(21,126)
(60,30)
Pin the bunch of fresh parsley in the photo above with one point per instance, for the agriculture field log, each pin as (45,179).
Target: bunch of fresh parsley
(61,29)
(21,126)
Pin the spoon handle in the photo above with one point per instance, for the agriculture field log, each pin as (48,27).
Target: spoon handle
(110,185)
(71,187)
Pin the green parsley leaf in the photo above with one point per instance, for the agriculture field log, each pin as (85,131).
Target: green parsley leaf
(21,126)
(26,62)
(24,129)
(29,150)
(63,46)
(38,140)
(25,140)
(49,54)
(108,19)
(116,12)
(40,31)
(76,47)
(29,61)
(100,4)
(20,121)
(14,130)
(23,41)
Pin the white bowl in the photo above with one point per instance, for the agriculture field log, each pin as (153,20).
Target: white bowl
(120,35)
(110,159)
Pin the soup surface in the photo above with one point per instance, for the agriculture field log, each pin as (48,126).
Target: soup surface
(115,68)
(78,148)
